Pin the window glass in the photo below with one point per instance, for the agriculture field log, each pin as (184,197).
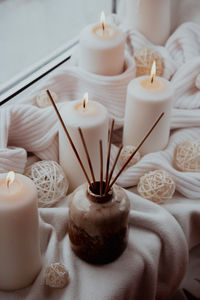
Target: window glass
(30,30)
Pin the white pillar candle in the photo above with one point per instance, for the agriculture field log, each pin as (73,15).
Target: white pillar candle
(20,258)
(151,17)
(102,49)
(93,120)
(147,98)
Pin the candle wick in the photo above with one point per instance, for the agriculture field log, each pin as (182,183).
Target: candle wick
(152,79)
(103,26)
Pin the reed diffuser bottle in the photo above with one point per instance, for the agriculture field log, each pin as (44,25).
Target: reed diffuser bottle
(99,210)
(98,225)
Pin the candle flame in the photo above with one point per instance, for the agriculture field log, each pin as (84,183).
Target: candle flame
(10,178)
(153,71)
(85,100)
(103,19)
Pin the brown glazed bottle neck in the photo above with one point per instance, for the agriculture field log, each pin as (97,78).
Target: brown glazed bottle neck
(98,198)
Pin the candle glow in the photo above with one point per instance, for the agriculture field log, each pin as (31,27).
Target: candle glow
(103,20)
(85,100)
(10,178)
(153,71)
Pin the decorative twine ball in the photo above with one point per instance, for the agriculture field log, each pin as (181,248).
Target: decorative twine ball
(125,154)
(156,186)
(187,156)
(144,58)
(42,99)
(197,82)
(56,276)
(50,182)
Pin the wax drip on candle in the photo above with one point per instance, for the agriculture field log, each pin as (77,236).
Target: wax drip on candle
(103,20)
(85,100)
(153,71)
(10,178)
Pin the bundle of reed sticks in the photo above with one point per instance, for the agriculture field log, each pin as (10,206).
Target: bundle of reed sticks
(103,186)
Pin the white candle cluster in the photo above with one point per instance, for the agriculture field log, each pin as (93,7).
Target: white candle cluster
(101,52)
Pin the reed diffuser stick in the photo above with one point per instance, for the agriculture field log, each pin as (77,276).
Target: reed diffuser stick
(112,170)
(138,147)
(101,167)
(87,155)
(69,137)
(108,154)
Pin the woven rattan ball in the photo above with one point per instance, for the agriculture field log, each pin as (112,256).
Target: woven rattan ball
(56,276)
(197,82)
(42,100)
(156,186)
(50,181)
(125,154)
(187,156)
(144,58)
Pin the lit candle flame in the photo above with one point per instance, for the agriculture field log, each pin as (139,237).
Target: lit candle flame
(153,71)
(85,100)
(10,178)
(103,20)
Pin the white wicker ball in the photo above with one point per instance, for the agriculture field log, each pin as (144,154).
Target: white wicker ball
(56,276)
(197,82)
(126,153)
(42,100)
(156,186)
(50,181)
(187,156)
(144,58)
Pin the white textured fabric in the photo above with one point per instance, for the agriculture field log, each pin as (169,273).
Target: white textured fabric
(142,272)
(26,128)
(155,260)
(188,184)
(71,82)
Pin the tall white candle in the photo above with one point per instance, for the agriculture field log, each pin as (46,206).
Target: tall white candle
(102,49)
(92,118)
(147,98)
(20,258)
(150,17)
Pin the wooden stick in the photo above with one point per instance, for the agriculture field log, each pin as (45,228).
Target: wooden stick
(69,137)
(101,167)
(87,154)
(112,170)
(108,154)
(138,147)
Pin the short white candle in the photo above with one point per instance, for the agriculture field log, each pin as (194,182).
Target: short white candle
(102,49)
(150,17)
(20,258)
(92,118)
(147,98)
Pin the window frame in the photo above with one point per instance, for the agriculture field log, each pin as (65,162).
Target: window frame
(39,70)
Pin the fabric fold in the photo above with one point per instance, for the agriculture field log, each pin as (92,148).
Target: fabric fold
(153,250)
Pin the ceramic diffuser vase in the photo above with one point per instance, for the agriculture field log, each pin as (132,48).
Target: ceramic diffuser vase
(98,225)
